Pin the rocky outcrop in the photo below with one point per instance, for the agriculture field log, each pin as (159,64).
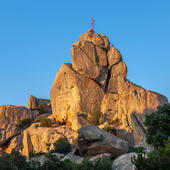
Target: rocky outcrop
(74,96)
(123,162)
(96,81)
(9,116)
(90,60)
(40,139)
(94,141)
(42,105)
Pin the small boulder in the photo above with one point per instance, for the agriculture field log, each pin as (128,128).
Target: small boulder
(39,159)
(123,162)
(100,157)
(73,158)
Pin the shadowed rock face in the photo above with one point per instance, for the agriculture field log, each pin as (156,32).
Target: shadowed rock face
(94,141)
(96,81)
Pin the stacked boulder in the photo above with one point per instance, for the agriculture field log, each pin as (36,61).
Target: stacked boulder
(96,81)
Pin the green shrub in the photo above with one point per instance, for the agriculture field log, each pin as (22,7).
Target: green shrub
(137,149)
(158,126)
(22,124)
(95,118)
(159,159)
(44,122)
(158,134)
(62,146)
(55,164)
(32,154)
(13,161)
(110,129)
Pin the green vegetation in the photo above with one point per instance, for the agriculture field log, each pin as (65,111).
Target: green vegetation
(158,126)
(158,134)
(110,129)
(22,124)
(95,118)
(15,161)
(62,146)
(45,122)
(159,159)
(137,149)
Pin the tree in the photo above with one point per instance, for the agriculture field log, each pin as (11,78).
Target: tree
(159,159)
(158,126)
(62,146)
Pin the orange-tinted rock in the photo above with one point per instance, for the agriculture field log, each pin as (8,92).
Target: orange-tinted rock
(90,61)
(74,97)
(37,139)
(114,56)
(9,116)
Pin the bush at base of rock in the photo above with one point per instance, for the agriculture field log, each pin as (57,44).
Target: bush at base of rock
(44,122)
(22,124)
(158,126)
(159,159)
(62,146)
(15,161)
(137,149)
(110,129)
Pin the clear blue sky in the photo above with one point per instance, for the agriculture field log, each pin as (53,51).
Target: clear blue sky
(36,37)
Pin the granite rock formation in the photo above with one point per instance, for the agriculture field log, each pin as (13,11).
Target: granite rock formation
(96,81)
(34,103)
(37,139)
(9,116)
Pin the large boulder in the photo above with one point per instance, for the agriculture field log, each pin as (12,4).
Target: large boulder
(114,56)
(94,141)
(9,116)
(89,57)
(123,162)
(99,40)
(74,97)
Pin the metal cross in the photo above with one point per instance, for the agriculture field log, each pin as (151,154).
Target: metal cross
(92,23)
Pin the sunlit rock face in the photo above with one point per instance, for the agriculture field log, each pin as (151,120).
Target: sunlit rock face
(37,139)
(9,116)
(74,96)
(96,81)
